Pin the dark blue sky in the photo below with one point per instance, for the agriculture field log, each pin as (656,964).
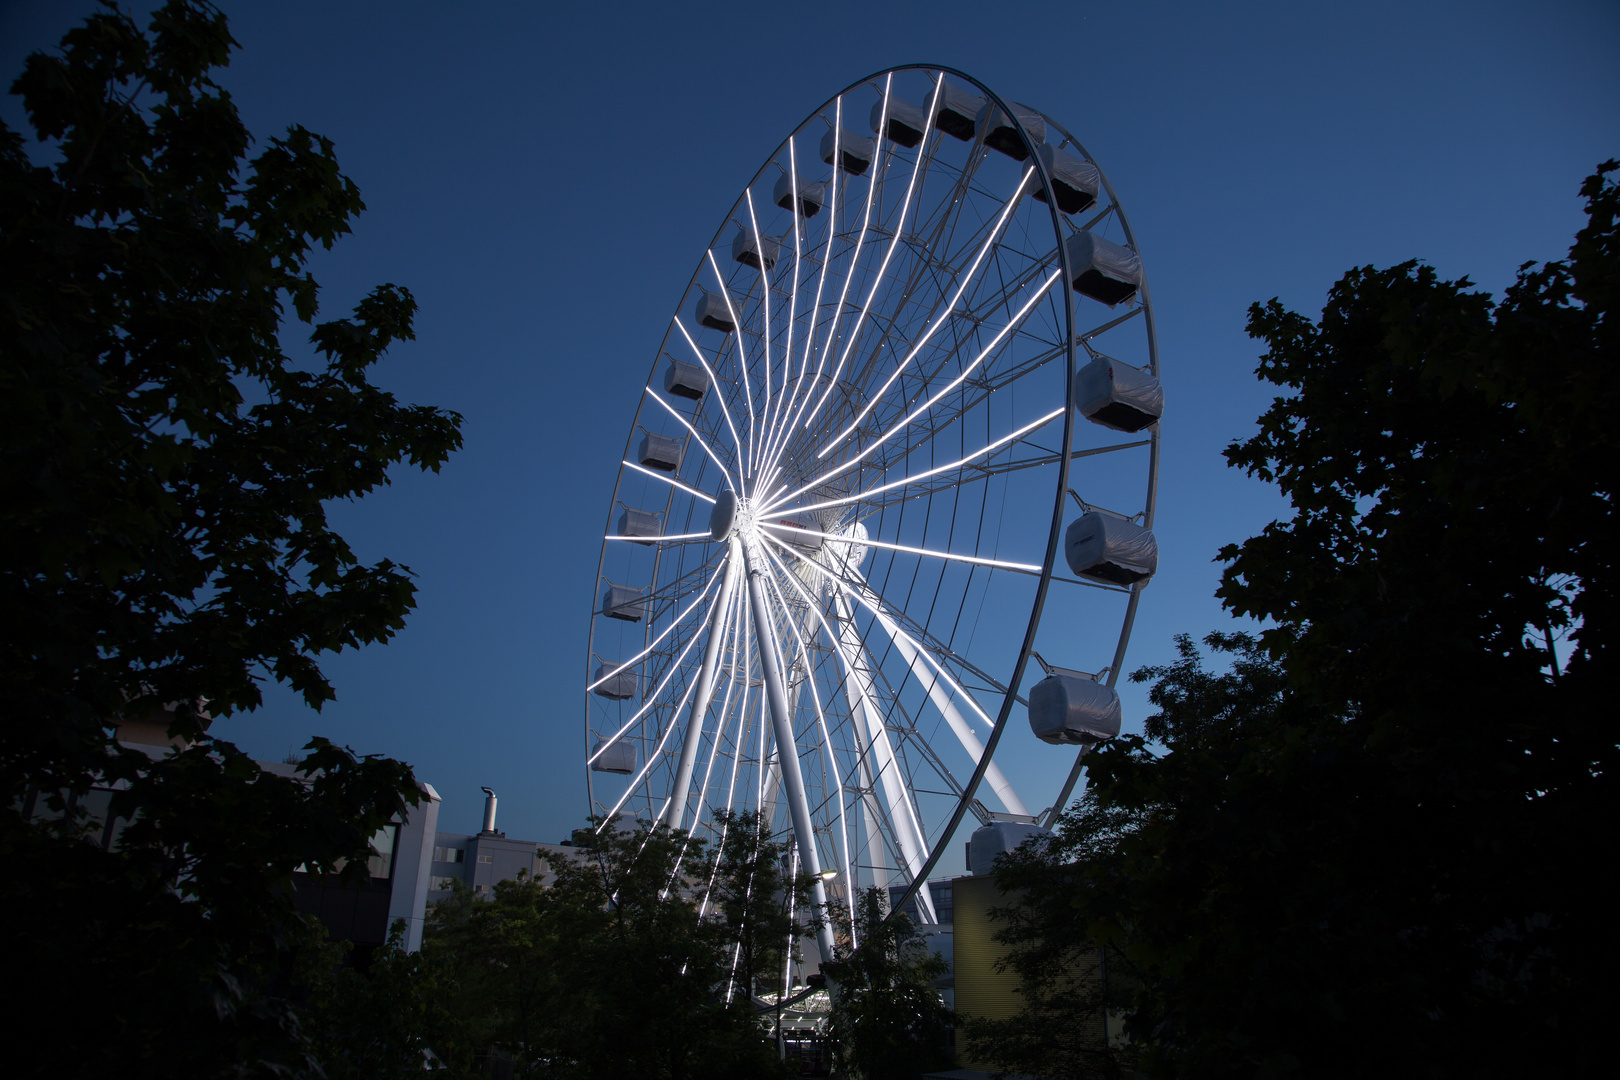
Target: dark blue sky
(544,180)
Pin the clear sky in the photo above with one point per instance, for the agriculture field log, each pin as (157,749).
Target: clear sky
(544,177)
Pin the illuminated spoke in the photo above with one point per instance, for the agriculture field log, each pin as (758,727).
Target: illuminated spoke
(919,477)
(939,320)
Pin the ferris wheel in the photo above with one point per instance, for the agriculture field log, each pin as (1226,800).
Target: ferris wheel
(900,440)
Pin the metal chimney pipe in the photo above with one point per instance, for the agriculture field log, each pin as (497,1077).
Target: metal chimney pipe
(489,810)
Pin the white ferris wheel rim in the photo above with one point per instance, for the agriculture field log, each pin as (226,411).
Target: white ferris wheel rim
(780,577)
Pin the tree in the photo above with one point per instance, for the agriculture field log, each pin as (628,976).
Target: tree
(611,971)
(887,1022)
(388,1022)
(166,465)
(760,906)
(508,967)
(1369,846)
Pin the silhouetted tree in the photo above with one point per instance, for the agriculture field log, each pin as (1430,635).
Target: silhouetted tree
(164,470)
(1379,844)
(887,1021)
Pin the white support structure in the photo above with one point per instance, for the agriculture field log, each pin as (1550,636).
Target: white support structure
(804,832)
(941,698)
(701,699)
(902,815)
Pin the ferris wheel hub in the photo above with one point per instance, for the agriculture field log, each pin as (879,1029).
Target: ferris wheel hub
(723,518)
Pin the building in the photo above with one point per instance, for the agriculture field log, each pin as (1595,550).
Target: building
(981,990)
(483,859)
(398,886)
(939,891)
(402,852)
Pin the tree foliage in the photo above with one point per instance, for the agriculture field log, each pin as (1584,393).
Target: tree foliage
(611,971)
(1368,846)
(887,1021)
(390,1021)
(760,906)
(166,467)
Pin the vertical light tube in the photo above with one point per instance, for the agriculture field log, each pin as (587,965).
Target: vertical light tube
(941,698)
(902,815)
(700,702)
(782,727)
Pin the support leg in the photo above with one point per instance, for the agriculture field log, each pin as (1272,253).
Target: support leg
(782,727)
(701,699)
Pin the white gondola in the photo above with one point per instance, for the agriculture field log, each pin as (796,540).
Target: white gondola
(623,602)
(1102,547)
(711,311)
(854,151)
(1066,710)
(686,380)
(1117,395)
(812,193)
(619,685)
(660,452)
(1075,181)
(957,111)
(906,122)
(999,132)
(989,842)
(638,523)
(1103,270)
(619,758)
(760,252)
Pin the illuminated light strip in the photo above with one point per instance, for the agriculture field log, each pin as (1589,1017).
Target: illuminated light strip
(652,699)
(894,244)
(860,241)
(668,480)
(893,629)
(742,365)
(714,381)
(944,315)
(821,721)
(954,383)
(920,838)
(929,404)
(998,444)
(744,618)
(784,402)
(890,626)
(765,302)
(953,716)
(784,432)
(726,473)
(733,622)
(779,489)
(673,623)
(775,526)
(646,768)
(660,539)
(730,619)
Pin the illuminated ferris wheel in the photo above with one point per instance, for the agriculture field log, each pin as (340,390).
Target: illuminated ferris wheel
(900,440)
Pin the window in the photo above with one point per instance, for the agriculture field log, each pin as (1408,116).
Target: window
(381,863)
(486,858)
(481,889)
(442,884)
(541,865)
(449,854)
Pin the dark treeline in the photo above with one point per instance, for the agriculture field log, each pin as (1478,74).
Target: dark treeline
(649,955)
